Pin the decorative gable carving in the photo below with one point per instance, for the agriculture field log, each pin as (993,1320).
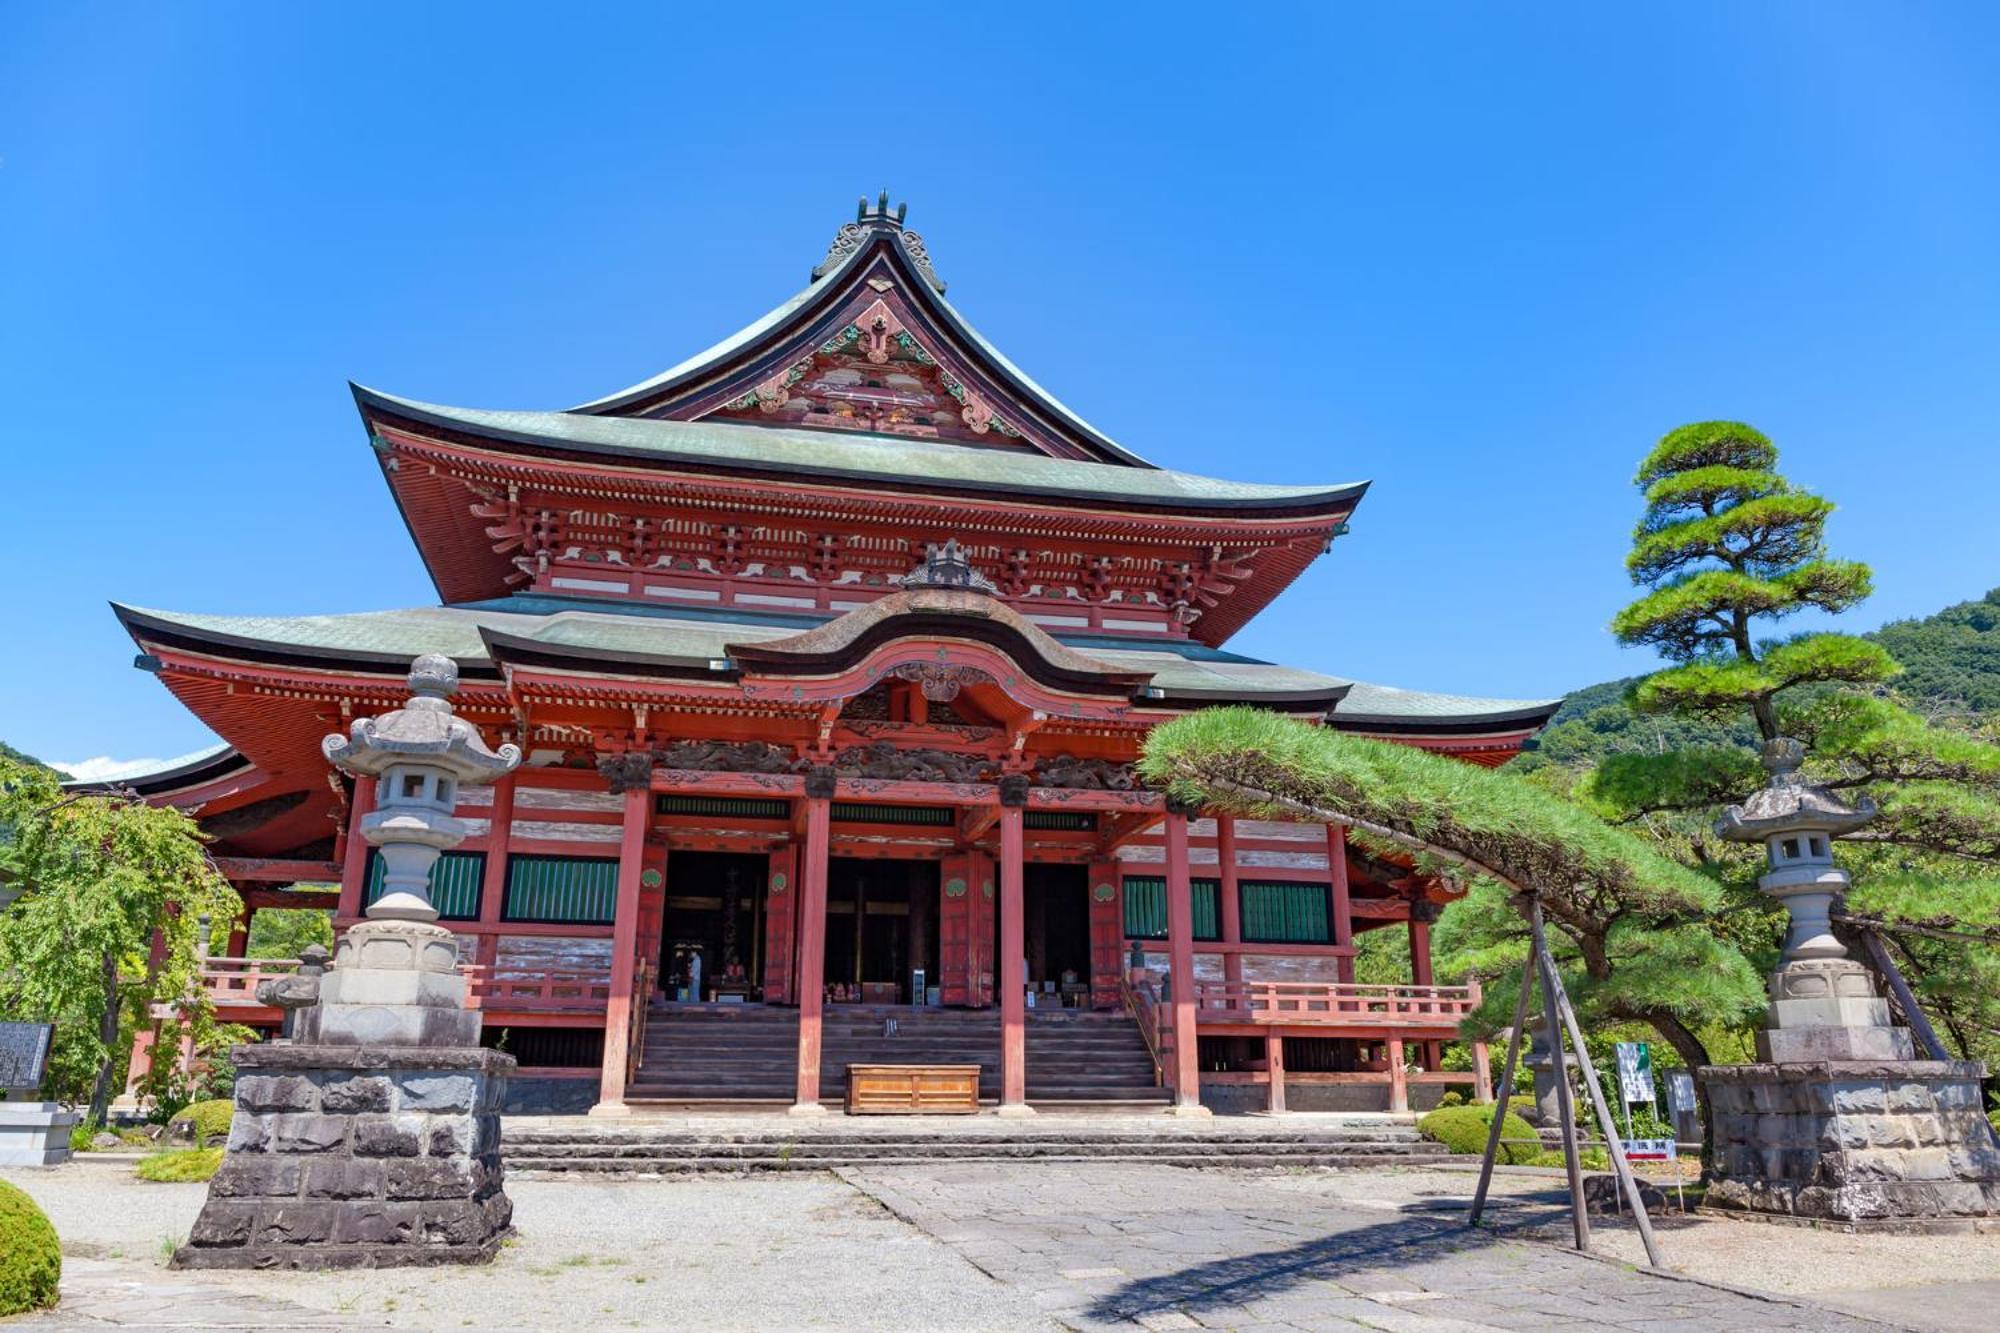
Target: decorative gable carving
(873,375)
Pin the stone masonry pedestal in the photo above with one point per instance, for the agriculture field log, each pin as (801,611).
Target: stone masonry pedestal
(358,1157)
(1895,1145)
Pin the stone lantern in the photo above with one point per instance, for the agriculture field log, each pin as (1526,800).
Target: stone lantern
(1823,1003)
(372,1138)
(1838,1124)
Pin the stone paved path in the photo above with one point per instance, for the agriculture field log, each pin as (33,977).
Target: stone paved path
(1114,1246)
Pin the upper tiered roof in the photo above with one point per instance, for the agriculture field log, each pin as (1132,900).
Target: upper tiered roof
(825,445)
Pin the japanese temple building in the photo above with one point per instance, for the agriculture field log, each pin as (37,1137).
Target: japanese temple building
(831,648)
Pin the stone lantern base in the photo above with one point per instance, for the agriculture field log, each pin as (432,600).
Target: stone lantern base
(358,1157)
(1855,1145)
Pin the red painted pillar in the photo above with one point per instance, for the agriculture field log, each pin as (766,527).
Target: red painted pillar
(982,972)
(1180,967)
(499,832)
(1013,950)
(812,937)
(1274,1063)
(1420,975)
(1107,933)
(781,898)
(624,951)
(239,930)
(354,862)
(1343,912)
(1399,1084)
(1482,1074)
(1231,905)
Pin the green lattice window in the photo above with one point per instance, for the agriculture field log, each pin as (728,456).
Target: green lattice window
(1146,908)
(1284,913)
(454,887)
(572,890)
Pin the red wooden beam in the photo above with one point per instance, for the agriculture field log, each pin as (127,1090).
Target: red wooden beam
(277,870)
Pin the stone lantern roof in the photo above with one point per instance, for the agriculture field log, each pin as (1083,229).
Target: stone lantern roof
(1790,804)
(422,731)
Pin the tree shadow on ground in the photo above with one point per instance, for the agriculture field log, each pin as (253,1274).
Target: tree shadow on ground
(1419,1236)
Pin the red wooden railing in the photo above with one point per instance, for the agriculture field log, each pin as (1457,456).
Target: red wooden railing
(1141,998)
(561,990)
(234,980)
(1329,1004)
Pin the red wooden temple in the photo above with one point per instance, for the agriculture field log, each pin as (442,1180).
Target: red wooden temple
(831,649)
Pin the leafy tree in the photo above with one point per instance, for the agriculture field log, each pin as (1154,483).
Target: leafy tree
(1726,542)
(1724,545)
(99,875)
(282,932)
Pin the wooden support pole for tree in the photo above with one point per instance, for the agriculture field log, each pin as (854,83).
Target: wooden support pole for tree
(1623,1168)
(1538,957)
(1906,1000)
(1506,1091)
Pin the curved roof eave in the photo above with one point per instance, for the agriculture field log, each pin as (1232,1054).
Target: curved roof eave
(846,457)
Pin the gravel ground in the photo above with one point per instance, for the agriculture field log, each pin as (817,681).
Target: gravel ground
(1791,1261)
(804,1251)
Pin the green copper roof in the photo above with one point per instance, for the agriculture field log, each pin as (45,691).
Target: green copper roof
(859,456)
(391,638)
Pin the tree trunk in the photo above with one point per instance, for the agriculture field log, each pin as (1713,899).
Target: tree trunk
(107,1033)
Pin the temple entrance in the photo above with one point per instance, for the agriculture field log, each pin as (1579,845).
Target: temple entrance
(711,940)
(881,926)
(1056,902)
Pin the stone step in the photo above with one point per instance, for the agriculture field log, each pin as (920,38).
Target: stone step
(944,1147)
(733,1165)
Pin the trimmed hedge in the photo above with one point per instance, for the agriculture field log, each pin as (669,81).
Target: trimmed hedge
(180,1164)
(30,1254)
(1463,1129)
(208,1122)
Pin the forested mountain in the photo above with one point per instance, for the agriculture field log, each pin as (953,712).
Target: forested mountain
(1951,669)
(9,752)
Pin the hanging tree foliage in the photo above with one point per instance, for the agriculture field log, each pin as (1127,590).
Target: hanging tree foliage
(1631,913)
(98,875)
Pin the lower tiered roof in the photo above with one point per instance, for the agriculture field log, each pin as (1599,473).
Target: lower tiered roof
(1179,670)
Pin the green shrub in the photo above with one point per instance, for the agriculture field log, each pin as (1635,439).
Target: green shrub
(1463,1129)
(181,1164)
(30,1254)
(82,1133)
(208,1122)
(1452,1097)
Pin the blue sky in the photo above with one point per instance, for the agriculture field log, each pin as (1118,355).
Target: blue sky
(1482,254)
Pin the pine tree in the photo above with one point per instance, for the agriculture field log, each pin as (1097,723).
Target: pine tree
(1727,542)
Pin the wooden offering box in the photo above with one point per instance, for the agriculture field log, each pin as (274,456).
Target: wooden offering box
(912,1089)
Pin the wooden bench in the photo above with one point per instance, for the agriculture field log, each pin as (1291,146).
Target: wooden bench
(912,1089)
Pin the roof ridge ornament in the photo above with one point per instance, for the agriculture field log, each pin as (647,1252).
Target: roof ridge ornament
(868,221)
(946,565)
